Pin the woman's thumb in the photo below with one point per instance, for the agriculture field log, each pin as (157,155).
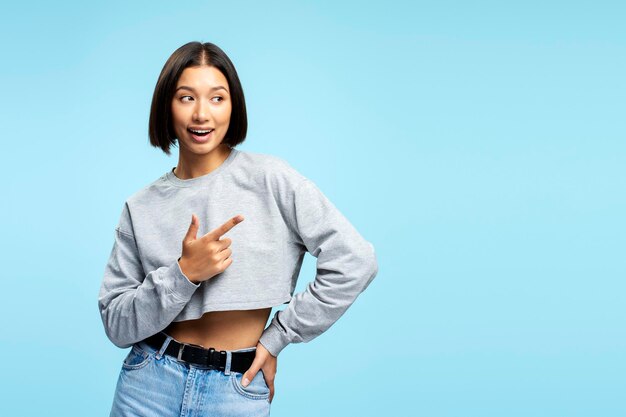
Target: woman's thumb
(193,229)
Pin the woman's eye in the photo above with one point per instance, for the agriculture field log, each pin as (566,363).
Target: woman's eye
(183,98)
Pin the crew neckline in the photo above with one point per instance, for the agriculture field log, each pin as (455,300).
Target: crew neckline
(173,179)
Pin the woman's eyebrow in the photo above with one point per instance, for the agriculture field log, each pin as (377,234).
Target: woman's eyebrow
(217,87)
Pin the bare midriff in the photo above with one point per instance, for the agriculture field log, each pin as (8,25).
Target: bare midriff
(222,330)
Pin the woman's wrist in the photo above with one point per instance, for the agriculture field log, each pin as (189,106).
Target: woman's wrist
(184,270)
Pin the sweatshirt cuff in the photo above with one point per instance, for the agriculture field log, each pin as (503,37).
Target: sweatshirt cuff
(179,284)
(274,339)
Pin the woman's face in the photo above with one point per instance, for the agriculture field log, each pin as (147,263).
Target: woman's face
(201,102)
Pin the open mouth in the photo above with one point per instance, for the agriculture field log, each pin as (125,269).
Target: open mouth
(201,136)
(200,133)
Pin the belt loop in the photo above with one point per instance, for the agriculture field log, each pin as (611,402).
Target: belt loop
(159,354)
(229,358)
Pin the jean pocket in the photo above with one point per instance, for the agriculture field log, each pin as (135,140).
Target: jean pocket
(257,389)
(137,358)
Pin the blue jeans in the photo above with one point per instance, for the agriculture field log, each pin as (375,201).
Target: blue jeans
(152,384)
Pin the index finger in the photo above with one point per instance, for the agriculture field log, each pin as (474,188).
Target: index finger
(218,232)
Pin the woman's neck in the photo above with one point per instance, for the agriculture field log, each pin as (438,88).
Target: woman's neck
(193,166)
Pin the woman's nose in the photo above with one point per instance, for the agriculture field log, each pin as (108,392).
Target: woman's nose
(202,111)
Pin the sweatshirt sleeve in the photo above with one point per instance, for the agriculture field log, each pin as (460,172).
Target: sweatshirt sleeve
(346,264)
(134,305)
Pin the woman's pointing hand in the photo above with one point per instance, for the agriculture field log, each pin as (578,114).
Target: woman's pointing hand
(207,256)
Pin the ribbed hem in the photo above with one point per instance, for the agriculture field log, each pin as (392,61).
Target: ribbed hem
(202,179)
(274,339)
(179,284)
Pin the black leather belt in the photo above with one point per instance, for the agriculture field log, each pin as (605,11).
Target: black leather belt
(215,359)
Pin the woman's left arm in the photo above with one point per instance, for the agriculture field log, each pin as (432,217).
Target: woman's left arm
(346,264)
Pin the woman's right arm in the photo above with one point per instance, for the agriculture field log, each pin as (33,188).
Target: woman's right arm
(135,305)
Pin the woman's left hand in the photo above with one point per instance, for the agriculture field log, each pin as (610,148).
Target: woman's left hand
(267,362)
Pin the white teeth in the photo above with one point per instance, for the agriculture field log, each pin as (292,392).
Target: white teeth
(201,131)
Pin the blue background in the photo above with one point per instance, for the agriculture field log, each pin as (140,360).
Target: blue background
(480,147)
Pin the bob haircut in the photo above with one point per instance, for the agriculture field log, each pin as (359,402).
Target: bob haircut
(194,54)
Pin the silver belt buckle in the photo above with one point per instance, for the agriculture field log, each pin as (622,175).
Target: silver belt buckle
(180,352)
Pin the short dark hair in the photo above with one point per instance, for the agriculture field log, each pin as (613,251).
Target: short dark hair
(194,54)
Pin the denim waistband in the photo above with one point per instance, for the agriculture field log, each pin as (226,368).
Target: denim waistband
(160,352)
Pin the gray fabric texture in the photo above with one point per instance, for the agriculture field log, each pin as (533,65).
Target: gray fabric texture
(286,215)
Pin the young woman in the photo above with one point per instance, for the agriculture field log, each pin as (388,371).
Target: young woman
(203,253)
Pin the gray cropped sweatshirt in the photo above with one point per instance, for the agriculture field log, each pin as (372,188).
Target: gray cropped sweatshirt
(285,215)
